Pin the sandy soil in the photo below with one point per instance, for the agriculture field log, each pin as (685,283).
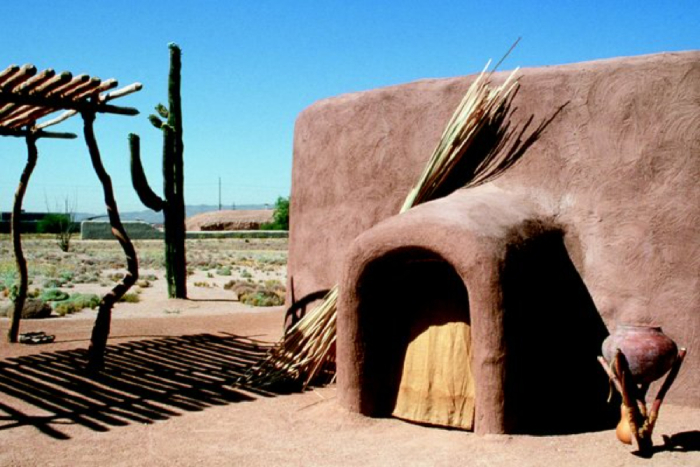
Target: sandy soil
(167,399)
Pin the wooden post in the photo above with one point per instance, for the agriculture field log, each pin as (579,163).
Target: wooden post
(32,156)
(100,332)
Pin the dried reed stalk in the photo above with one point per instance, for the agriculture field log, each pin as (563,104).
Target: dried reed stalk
(306,352)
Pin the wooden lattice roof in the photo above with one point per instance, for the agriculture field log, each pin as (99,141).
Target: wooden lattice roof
(27,96)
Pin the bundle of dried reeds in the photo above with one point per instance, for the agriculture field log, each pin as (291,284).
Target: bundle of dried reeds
(479,107)
(305,352)
(308,349)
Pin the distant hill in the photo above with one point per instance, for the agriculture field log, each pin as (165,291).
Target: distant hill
(153,217)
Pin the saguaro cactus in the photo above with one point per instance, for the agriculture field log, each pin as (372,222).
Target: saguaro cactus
(169,121)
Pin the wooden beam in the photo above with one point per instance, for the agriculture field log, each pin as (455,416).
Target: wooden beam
(92,93)
(77,81)
(7,73)
(35,81)
(24,115)
(12,110)
(27,71)
(61,103)
(85,87)
(29,115)
(55,121)
(53,83)
(126,90)
(9,110)
(39,134)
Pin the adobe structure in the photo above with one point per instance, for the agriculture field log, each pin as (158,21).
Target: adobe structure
(597,223)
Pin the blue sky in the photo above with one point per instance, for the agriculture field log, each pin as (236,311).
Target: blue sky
(250,67)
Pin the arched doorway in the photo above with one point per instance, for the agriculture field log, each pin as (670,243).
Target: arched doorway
(553,334)
(415,325)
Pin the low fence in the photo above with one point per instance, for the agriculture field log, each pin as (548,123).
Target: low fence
(137,230)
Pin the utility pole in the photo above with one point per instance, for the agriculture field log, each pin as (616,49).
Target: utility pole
(219,193)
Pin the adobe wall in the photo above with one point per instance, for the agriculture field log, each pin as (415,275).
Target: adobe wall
(617,169)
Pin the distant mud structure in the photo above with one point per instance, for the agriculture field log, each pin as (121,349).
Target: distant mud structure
(229,220)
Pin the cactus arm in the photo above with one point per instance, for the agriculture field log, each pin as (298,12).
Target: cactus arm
(155,121)
(138,177)
(162,111)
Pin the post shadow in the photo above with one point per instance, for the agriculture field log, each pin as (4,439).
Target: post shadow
(143,381)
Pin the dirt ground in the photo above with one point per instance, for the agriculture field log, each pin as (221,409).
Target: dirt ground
(167,400)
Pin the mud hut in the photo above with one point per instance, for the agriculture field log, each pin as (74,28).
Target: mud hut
(598,223)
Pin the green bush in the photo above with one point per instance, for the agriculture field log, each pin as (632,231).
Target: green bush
(7,280)
(280,218)
(75,303)
(269,293)
(61,225)
(130,298)
(54,295)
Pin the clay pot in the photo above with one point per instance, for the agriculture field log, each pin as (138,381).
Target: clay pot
(649,352)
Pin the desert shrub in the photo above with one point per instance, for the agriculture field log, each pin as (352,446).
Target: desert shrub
(268,293)
(273,261)
(143,283)
(115,276)
(66,276)
(224,271)
(75,303)
(239,287)
(87,278)
(245,274)
(7,280)
(54,295)
(61,225)
(130,298)
(53,283)
(152,259)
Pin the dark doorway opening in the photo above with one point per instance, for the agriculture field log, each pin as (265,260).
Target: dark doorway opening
(553,334)
(396,295)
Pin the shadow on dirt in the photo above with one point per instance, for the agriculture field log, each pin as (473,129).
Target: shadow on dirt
(144,381)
